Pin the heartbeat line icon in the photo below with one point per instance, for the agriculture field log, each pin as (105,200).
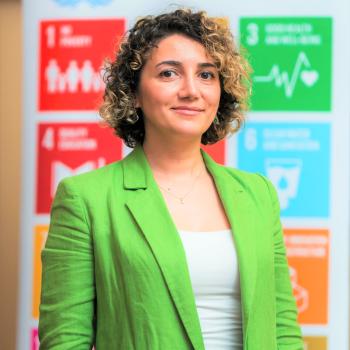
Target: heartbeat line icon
(302,70)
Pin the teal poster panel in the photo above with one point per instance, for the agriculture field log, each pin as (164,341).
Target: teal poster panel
(296,158)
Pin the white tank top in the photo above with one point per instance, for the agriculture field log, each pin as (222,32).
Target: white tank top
(213,267)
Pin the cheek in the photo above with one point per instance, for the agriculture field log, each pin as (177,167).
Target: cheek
(156,94)
(213,97)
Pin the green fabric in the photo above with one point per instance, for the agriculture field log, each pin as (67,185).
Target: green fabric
(115,272)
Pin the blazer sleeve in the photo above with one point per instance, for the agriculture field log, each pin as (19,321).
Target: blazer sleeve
(66,318)
(288,331)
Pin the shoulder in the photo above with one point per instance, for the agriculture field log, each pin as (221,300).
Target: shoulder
(248,180)
(258,186)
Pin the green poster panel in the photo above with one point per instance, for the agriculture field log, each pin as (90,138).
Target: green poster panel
(291,60)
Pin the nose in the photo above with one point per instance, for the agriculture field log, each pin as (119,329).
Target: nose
(189,88)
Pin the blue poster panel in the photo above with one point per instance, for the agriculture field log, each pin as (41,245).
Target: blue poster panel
(296,158)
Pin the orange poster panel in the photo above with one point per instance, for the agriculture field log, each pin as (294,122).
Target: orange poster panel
(308,257)
(315,343)
(40,234)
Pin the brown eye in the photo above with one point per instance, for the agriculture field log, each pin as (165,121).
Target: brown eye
(207,75)
(167,74)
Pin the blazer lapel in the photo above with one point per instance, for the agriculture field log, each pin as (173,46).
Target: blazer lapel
(147,206)
(240,211)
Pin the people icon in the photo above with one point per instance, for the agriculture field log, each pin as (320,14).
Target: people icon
(75,79)
(52,73)
(73,76)
(87,74)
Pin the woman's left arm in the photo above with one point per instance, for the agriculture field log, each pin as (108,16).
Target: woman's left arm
(288,331)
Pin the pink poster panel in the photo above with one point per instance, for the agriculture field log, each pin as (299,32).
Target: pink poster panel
(35,339)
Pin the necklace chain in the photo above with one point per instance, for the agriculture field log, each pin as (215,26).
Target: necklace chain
(181,198)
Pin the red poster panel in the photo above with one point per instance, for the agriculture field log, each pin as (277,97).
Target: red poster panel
(72,53)
(308,258)
(217,151)
(65,149)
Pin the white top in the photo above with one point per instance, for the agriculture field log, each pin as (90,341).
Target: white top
(213,268)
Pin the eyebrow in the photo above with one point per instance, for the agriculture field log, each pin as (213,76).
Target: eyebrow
(178,64)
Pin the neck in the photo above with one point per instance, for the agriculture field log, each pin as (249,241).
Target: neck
(174,159)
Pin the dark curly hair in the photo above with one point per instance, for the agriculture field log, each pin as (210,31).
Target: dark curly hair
(122,76)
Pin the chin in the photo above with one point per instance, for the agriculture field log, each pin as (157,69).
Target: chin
(195,134)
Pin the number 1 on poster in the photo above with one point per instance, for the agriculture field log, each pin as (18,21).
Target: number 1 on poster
(51,36)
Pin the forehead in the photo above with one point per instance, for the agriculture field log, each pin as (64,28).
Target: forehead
(180,48)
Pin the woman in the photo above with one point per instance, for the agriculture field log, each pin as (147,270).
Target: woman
(167,249)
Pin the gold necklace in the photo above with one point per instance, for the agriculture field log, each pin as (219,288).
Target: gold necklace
(181,198)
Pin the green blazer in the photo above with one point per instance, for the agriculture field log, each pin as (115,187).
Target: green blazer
(115,272)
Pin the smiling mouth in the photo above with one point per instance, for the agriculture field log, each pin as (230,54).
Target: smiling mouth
(187,110)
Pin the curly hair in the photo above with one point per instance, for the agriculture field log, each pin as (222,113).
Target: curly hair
(122,76)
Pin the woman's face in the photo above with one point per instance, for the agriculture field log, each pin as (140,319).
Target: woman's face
(179,89)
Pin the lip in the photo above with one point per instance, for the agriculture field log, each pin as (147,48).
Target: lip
(186,110)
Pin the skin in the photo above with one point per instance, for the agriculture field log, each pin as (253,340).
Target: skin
(179,94)
(179,90)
